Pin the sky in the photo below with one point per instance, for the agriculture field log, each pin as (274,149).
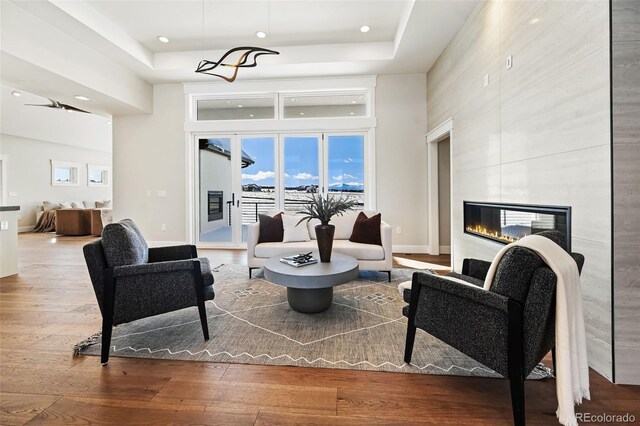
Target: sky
(346,162)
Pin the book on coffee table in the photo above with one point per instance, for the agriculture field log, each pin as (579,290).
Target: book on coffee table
(299,260)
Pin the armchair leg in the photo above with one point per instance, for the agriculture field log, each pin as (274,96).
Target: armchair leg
(411,338)
(107,315)
(411,325)
(388,275)
(517,400)
(199,287)
(515,361)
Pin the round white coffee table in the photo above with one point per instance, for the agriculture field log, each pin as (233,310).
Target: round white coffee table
(310,288)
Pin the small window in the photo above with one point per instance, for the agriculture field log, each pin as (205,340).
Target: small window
(64,173)
(255,108)
(98,175)
(325,105)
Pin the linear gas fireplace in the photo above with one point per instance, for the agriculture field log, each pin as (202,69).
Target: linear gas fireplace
(506,223)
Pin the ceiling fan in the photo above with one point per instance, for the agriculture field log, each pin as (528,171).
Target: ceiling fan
(59,105)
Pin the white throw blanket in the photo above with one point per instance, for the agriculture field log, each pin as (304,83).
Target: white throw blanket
(572,377)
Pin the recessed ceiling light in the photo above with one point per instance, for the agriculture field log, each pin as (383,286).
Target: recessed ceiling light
(16,93)
(354,102)
(240,105)
(294,100)
(351,113)
(261,34)
(251,115)
(364,29)
(534,21)
(302,113)
(228,102)
(81,98)
(109,122)
(163,39)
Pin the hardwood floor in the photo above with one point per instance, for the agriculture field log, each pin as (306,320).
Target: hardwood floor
(50,305)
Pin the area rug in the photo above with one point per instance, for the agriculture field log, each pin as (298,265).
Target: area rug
(250,322)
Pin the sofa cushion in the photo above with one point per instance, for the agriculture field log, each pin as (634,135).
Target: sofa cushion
(294,230)
(311,226)
(106,204)
(65,205)
(344,225)
(357,250)
(123,244)
(77,204)
(50,205)
(271,229)
(366,230)
(266,250)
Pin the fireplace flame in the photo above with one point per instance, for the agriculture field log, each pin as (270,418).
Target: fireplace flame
(481,230)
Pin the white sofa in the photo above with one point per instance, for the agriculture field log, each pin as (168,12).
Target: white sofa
(370,257)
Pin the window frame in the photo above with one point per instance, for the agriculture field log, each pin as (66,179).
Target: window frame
(74,173)
(104,170)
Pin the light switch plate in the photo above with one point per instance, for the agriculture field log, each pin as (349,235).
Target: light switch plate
(13,194)
(509,61)
(162,194)
(4,225)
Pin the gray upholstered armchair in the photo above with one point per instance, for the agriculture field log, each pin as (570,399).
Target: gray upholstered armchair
(509,328)
(132,281)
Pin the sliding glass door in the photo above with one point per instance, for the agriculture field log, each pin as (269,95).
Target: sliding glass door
(242,176)
(259,178)
(216,194)
(300,169)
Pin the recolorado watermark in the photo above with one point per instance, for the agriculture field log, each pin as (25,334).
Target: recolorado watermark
(605,418)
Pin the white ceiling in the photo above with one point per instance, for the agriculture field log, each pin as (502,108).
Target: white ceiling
(233,23)
(109,49)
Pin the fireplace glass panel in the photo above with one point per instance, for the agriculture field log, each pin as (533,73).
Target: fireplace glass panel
(506,223)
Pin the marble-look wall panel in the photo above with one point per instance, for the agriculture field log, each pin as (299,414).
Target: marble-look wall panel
(538,133)
(532,126)
(625,15)
(626,188)
(546,39)
(580,179)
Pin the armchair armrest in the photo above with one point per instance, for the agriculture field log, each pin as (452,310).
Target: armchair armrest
(156,267)
(163,254)
(253,235)
(472,293)
(475,268)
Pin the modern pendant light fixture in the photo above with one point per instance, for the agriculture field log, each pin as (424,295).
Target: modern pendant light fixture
(236,58)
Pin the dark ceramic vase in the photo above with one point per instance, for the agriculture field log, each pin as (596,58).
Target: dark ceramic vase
(324,235)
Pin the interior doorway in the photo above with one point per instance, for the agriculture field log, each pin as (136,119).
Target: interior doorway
(440,188)
(444,195)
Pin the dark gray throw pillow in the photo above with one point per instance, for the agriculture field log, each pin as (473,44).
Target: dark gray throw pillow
(271,229)
(123,244)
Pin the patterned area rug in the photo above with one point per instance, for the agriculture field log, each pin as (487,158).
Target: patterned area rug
(250,322)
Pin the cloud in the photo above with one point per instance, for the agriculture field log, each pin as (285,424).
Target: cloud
(258,176)
(348,160)
(342,177)
(347,184)
(304,176)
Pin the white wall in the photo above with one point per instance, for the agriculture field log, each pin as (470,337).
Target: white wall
(31,137)
(401,157)
(149,155)
(538,133)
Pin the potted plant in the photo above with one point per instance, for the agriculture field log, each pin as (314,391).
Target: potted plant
(324,208)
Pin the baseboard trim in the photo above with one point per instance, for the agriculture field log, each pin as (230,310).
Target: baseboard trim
(445,249)
(22,229)
(420,249)
(166,243)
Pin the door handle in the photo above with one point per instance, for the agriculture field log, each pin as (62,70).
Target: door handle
(233,198)
(238,204)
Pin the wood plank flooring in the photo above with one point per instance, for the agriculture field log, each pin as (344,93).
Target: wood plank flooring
(50,305)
